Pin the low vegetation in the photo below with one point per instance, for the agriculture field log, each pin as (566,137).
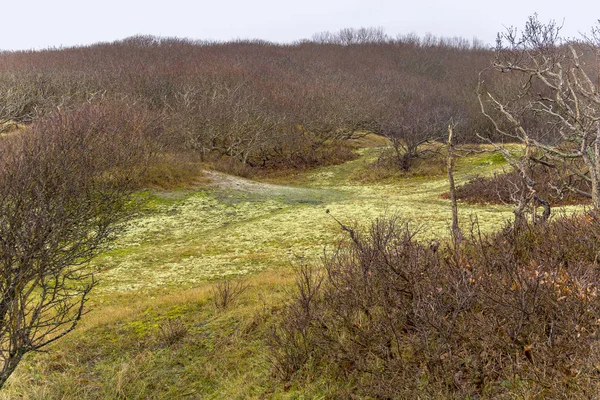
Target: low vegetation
(504,314)
(505,186)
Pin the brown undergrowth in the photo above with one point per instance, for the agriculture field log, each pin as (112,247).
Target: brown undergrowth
(509,314)
(502,186)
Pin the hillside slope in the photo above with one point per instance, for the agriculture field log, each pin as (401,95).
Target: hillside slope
(153,330)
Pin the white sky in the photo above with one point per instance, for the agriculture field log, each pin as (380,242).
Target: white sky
(26,24)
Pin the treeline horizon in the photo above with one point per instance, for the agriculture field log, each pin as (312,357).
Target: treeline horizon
(344,36)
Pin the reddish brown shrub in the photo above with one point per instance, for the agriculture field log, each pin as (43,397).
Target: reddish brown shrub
(514,313)
(501,188)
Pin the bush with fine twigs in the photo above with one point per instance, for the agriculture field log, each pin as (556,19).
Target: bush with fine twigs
(513,313)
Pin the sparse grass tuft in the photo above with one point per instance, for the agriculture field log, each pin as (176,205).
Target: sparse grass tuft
(171,331)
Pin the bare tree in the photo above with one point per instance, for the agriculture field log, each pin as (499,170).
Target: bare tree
(522,187)
(552,103)
(64,189)
(416,121)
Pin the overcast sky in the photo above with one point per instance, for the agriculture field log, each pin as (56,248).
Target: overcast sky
(27,24)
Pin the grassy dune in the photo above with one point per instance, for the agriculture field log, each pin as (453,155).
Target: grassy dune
(163,269)
(237,226)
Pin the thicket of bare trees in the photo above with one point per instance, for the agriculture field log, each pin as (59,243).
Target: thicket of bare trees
(350,36)
(65,187)
(256,103)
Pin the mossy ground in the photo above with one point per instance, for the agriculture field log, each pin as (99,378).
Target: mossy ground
(241,227)
(163,266)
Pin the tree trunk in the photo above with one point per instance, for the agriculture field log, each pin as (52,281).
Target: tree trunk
(9,367)
(456,233)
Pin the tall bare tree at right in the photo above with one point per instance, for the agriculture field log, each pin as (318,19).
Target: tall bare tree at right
(549,100)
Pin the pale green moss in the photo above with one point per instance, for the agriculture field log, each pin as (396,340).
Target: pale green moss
(248,227)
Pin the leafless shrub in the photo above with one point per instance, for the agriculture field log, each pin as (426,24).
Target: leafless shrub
(415,126)
(501,188)
(292,341)
(64,189)
(514,311)
(226,292)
